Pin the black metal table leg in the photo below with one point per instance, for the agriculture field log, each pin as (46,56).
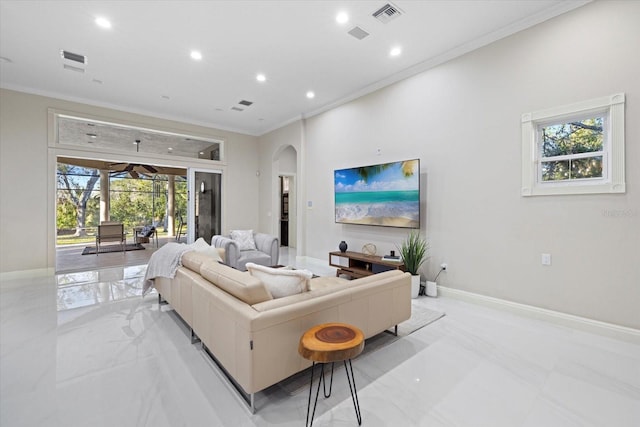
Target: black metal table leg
(324,385)
(352,388)
(307,424)
(354,391)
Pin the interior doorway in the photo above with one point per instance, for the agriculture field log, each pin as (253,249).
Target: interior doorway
(287,220)
(284,210)
(284,198)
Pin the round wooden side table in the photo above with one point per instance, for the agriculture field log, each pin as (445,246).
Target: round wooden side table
(330,343)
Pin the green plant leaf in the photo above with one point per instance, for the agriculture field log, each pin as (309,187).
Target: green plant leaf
(414,252)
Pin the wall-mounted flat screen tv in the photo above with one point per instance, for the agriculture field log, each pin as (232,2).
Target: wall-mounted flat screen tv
(386,194)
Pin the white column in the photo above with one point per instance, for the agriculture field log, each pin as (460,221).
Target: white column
(104,195)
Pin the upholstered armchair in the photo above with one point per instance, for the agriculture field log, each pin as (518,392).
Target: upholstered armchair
(239,249)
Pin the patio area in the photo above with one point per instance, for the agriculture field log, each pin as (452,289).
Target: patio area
(69,258)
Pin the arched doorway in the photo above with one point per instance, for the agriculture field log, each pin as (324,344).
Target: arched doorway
(285,204)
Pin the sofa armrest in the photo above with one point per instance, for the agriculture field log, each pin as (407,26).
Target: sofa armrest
(231,249)
(268,244)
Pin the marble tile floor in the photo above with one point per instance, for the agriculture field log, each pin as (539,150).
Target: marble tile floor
(85,349)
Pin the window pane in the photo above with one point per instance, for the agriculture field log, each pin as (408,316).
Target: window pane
(581,136)
(556,171)
(588,167)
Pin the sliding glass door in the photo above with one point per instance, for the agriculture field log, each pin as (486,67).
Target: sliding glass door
(205,204)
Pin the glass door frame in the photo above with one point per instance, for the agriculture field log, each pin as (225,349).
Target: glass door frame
(192,192)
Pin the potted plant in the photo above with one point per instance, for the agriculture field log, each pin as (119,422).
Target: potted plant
(414,252)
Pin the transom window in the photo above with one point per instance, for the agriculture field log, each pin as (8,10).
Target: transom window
(574,149)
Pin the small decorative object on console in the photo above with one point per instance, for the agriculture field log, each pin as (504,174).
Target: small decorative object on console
(342,246)
(369,249)
(392,257)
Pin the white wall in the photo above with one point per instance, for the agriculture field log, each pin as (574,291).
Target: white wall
(26,219)
(462,119)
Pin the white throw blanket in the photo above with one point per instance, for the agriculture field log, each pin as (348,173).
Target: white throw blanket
(163,263)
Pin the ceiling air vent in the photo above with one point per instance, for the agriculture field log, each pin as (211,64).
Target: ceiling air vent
(72,68)
(73,56)
(358,33)
(237,109)
(244,102)
(387,13)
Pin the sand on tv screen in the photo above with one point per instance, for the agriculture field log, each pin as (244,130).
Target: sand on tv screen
(387,194)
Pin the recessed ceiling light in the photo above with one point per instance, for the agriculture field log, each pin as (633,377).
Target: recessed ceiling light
(342,18)
(165,97)
(311,95)
(261,77)
(92,135)
(196,55)
(395,51)
(103,22)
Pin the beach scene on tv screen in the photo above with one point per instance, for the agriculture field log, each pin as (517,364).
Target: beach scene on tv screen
(387,194)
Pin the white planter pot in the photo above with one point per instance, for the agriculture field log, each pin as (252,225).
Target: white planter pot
(415,286)
(432,289)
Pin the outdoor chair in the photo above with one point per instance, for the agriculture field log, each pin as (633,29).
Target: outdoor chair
(182,229)
(110,232)
(145,233)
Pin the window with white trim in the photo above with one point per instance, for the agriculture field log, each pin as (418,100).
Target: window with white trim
(574,149)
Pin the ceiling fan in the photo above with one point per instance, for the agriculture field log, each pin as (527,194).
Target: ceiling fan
(133,169)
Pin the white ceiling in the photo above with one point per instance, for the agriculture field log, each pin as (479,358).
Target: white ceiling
(145,57)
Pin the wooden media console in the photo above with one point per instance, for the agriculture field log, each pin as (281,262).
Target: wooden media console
(356,264)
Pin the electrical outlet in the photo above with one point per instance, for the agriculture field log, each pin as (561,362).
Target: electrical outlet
(546,259)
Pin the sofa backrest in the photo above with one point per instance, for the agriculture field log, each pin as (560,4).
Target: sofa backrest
(240,284)
(193,259)
(329,285)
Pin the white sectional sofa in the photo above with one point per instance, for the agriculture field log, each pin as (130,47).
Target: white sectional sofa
(253,336)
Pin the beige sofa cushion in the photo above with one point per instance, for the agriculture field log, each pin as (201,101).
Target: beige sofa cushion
(194,259)
(281,282)
(202,246)
(323,282)
(240,284)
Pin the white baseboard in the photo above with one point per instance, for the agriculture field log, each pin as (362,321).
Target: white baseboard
(581,323)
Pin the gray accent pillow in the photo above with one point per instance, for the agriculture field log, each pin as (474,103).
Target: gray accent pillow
(244,238)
